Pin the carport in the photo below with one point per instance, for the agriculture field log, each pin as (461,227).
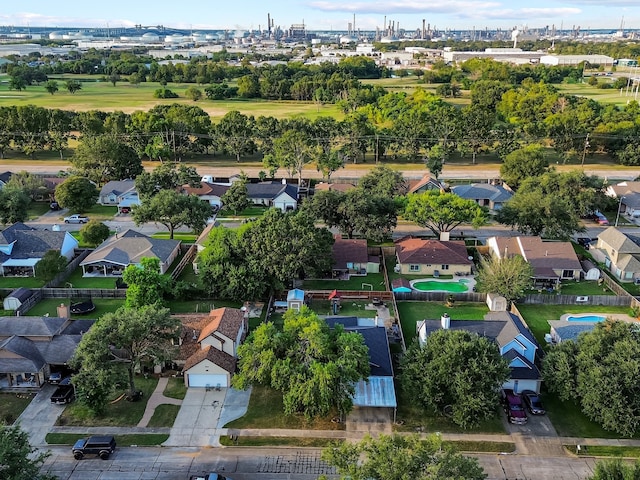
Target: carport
(376,392)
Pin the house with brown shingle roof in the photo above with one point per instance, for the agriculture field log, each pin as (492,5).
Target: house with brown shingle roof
(419,256)
(351,257)
(207,192)
(334,187)
(552,262)
(426,183)
(209,346)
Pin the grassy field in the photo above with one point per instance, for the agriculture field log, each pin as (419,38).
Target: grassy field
(266,411)
(12,405)
(164,416)
(278,441)
(597,94)
(17,282)
(411,312)
(569,421)
(375,280)
(37,209)
(182,236)
(103,305)
(604,451)
(78,281)
(119,413)
(141,439)
(175,389)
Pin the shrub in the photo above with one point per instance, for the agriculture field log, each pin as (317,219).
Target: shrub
(164,93)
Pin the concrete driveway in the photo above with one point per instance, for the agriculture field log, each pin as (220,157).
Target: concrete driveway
(40,416)
(202,412)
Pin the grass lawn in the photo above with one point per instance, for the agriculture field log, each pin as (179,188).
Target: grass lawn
(49,306)
(119,413)
(17,282)
(140,439)
(12,405)
(348,308)
(78,281)
(266,411)
(37,209)
(97,212)
(199,306)
(484,447)
(279,441)
(604,451)
(249,212)
(186,237)
(577,288)
(536,316)
(188,275)
(76,234)
(164,416)
(376,280)
(411,312)
(569,421)
(175,389)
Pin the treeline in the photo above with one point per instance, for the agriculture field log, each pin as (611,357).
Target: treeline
(418,127)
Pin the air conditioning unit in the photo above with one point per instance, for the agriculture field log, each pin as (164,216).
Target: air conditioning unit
(397,268)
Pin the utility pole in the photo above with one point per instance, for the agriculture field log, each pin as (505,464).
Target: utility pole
(584,152)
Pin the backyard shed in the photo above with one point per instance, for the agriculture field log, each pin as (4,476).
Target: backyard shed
(15,299)
(295,299)
(496,303)
(590,271)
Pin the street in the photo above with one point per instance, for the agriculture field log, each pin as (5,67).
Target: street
(157,463)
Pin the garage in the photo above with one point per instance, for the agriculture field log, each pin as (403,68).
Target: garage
(204,380)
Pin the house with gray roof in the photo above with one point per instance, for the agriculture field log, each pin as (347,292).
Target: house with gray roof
(620,252)
(283,196)
(563,331)
(30,347)
(22,247)
(119,251)
(484,194)
(120,193)
(515,342)
(628,195)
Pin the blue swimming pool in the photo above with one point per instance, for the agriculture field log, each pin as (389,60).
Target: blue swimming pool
(586,318)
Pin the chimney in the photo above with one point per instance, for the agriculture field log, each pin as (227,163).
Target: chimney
(63,311)
(444,236)
(445,321)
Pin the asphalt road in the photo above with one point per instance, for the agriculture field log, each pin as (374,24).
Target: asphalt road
(162,463)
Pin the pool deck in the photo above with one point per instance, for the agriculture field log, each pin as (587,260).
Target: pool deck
(615,316)
(469,281)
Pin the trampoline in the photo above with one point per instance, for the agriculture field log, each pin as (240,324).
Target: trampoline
(82,307)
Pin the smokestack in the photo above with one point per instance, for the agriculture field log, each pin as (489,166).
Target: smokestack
(354,24)
(269,23)
(445,321)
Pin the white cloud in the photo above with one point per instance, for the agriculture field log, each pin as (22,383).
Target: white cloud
(400,7)
(36,19)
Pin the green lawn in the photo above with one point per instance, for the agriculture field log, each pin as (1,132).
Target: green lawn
(119,413)
(249,212)
(411,312)
(175,389)
(569,421)
(12,405)
(37,209)
(141,439)
(266,411)
(348,308)
(279,441)
(536,316)
(199,306)
(49,306)
(97,212)
(78,281)
(600,95)
(376,280)
(76,234)
(578,288)
(17,282)
(604,451)
(188,275)
(164,416)
(184,236)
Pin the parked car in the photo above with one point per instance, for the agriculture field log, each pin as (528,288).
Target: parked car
(533,402)
(55,378)
(600,218)
(65,393)
(54,206)
(100,445)
(76,219)
(584,242)
(513,407)
(209,476)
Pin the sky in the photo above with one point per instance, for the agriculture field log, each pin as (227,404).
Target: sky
(324,14)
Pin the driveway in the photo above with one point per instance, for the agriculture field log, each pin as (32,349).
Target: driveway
(40,416)
(202,412)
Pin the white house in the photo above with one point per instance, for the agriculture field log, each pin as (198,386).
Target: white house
(274,194)
(208,192)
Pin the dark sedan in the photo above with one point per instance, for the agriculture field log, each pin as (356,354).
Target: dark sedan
(533,402)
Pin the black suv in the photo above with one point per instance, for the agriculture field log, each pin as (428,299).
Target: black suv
(103,446)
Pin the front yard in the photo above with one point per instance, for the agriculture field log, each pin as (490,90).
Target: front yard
(12,405)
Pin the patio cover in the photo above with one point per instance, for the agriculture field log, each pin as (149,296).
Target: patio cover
(377,392)
(21,262)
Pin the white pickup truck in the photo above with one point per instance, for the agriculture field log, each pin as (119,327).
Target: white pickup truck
(76,219)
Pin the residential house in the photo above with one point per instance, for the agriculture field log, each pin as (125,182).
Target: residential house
(620,252)
(22,247)
(484,194)
(426,183)
(283,196)
(552,262)
(351,257)
(432,257)
(120,193)
(209,346)
(207,192)
(31,346)
(628,196)
(119,251)
(4,178)
(563,331)
(515,342)
(377,391)
(334,187)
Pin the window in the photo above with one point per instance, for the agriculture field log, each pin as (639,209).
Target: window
(445,267)
(414,268)
(567,274)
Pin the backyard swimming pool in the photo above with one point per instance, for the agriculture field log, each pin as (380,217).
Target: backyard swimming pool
(451,286)
(585,318)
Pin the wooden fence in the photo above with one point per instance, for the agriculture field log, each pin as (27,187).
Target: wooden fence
(350,294)
(76,293)
(71,266)
(29,303)
(441,296)
(188,258)
(608,300)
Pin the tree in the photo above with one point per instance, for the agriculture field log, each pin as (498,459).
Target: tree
(173,210)
(76,193)
(17,83)
(236,198)
(235,134)
(508,276)
(442,212)
(327,163)
(18,460)
(167,176)
(193,93)
(103,158)
(115,347)
(292,151)
(145,284)
(94,233)
(523,163)
(616,469)
(435,161)
(72,86)
(51,86)
(14,203)
(401,457)
(51,264)
(455,372)
(602,369)
(313,366)
(383,181)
